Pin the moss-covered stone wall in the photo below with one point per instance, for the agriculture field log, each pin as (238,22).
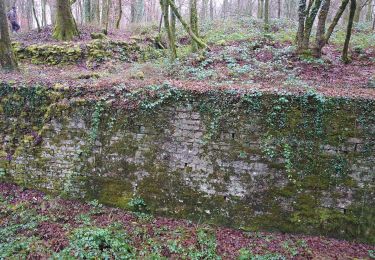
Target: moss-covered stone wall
(255,161)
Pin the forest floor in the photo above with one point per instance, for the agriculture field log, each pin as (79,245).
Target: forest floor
(241,57)
(36,226)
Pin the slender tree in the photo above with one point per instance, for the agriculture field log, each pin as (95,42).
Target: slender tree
(167,26)
(173,27)
(301,24)
(194,37)
(225,9)
(35,16)
(320,30)
(309,22)
(95,11)
(44,12)
(65,27)
(194,22)
(266,15)
(211,10)
(353,6)
(336,19)
(260,9)
(119,14)
(7,58)
(87,10)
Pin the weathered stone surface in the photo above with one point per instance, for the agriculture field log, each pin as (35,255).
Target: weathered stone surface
(248,171)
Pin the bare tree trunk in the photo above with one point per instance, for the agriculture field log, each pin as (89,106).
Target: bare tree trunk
(204,10)
(353,6)
(65,27)
(81,11)
(44,13)
(211,10)
(358,10)
(320,30)
(225,9)
(309,24)
(266,15)
(119,14)
(369,11)
(95,11)
(105,13)
(29,15)
(173,23)
(336,19)
(279,9)
(35,16)
(171,40)
(7,58)
(194,22)
(260,9)
(301,24)
(187,28)
(87,10)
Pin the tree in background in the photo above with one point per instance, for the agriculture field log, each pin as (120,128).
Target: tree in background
(137,10)
(201,44)
(266,15)
(321,27)
(165,6)
(306,17)
(35,16)
(353,6)
(194,23)
(87,10)
(7,58)
(65,28)
(301,24)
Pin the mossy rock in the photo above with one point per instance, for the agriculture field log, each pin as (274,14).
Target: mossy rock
(100,36)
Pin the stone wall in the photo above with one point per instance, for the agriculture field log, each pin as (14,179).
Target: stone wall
(295,164)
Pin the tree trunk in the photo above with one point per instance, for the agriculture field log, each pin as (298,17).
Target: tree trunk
(279,9)
(44,13)
(369,12)
(173,24)
(260,9)
(105,13)
(65,27)
(119,14)
(106,18)
(320,30)
(35,16)
(204,10)
(29,15)
(301,24)
(309,24)
(187,28)
(7,58)
(211,10)
(87,11)
(225,9)
(358,10)
(171,39)
(53,8)
(95,11)
(194,23)
(336,19)
(353,6)
(266,15)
